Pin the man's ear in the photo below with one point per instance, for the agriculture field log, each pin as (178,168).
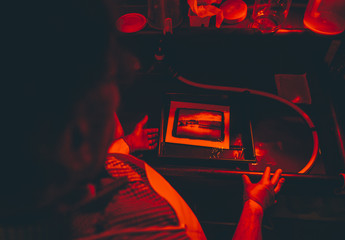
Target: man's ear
(75,145)
(87,135)
(84,141)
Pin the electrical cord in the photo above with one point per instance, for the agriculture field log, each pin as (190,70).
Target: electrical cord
(307,119)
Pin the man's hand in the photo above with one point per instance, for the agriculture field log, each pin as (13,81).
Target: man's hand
(264,191)
(142,138)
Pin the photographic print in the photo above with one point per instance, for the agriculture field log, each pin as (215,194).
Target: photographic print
(198,124)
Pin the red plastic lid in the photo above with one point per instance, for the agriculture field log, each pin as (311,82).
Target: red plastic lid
(234,11)
(131,22)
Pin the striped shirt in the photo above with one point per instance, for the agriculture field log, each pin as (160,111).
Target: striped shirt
(134,210)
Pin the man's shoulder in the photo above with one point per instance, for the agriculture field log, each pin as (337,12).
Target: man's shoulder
(126,158)
(124,165)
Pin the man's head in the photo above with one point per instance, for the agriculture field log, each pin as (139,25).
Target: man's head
(60,98)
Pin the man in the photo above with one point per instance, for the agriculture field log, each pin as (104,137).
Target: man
(58,124)
(57,113)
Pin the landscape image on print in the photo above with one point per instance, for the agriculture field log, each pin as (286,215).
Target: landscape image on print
(199,124)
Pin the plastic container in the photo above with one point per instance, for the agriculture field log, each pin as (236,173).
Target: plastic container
(196,21)
(325,16)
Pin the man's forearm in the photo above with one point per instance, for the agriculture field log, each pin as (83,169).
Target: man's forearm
(249,226)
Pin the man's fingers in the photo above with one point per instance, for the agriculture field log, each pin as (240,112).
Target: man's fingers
(279,185)
(152,141)
(246,180)
(151,130)
(153,146)
(266,175)
(152,137)
(276,177)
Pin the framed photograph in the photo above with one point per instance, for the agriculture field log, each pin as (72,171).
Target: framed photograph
(208,130)
(198,124)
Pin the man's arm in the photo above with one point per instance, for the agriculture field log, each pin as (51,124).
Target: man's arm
(257,197)
(249,226)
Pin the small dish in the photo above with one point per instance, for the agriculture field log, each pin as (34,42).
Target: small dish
(131,22)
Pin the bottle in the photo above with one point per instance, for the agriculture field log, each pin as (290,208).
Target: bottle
(161,10)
